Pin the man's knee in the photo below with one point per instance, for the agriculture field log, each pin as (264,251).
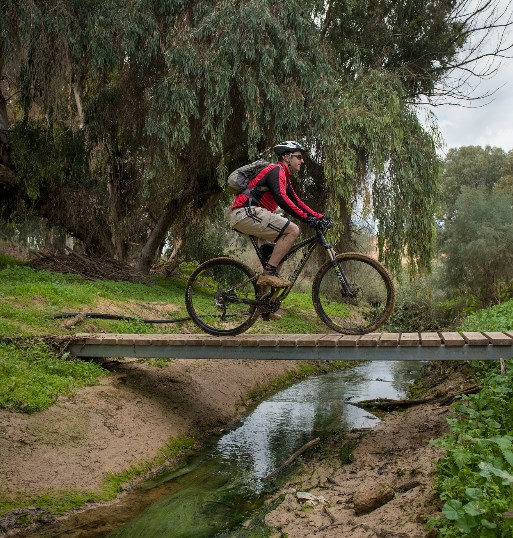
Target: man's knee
(291,230)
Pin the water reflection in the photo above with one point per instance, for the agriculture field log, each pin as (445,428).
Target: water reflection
(313,408)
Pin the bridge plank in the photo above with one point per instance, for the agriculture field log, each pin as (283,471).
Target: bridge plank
(368,340)
(475,339)
(499,339)
(307,340)
(348,340)
(250,340)
(229,341)
(125,339)
(409,339)
(449,339)
(430,339)
(329,340)
(143,340)
(106,338)
(452,339)
(483,346)
(269,340)
(288,340)
(389,339)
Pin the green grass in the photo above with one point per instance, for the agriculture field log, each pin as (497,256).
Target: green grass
(8,261)
(32,376)
(34,373)
(495,318)
(30,299)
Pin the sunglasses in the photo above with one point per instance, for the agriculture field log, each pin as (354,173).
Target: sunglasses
(299,157)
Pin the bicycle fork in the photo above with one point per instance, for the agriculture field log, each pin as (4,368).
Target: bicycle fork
(344,283)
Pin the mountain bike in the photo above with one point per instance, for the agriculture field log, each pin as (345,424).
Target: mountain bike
(352,293)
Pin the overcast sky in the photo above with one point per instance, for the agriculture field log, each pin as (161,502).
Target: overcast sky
(489,124)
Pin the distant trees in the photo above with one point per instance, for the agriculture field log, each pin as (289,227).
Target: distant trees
(473,167)
(477,234)
(119,119)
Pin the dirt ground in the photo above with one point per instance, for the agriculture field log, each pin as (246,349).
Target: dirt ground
(382,488)
(126,419)
(122,422)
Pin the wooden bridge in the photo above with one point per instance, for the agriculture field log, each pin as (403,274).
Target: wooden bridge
(375,346)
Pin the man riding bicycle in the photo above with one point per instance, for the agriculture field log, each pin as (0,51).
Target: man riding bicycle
(253,213)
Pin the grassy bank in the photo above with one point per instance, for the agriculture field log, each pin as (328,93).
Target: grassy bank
(58,503)
(475,477)
(34,371)
(33,374)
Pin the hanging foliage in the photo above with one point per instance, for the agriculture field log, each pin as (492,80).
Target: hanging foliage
(170,94)
(383,160)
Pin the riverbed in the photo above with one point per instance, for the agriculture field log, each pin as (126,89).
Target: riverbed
(217,489)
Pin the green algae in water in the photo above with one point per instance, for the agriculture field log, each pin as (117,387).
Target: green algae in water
(215,493)
(208,500)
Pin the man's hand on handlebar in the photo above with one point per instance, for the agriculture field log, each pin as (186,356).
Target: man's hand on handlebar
(320,223)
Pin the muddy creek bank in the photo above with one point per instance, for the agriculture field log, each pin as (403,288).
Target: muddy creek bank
(199,499)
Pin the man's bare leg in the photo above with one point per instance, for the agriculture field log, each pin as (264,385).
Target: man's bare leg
(284,244)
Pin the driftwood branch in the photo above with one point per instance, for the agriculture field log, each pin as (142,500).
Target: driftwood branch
(386,404)
(293,457)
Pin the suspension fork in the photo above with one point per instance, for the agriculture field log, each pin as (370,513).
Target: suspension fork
(344,283)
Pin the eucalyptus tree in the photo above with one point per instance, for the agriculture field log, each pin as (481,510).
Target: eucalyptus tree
(391,57)
(168,94)
(473,167)
(148,104)
(478,261)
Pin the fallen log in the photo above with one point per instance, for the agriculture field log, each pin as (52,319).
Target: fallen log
(386,404)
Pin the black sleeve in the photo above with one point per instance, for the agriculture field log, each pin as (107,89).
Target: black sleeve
(279,190)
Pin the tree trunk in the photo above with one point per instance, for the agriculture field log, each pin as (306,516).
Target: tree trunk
(118,241)
(184,210)
(159,232)
(172,259)
(7,173)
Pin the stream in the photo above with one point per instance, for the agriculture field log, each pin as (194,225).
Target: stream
(219,487)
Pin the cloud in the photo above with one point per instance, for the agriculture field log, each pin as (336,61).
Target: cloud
(487,125)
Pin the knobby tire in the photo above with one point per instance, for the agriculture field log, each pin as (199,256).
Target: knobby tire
(204,297)
(373,300)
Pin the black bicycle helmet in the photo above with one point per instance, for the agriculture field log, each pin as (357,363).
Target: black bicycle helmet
(288,147)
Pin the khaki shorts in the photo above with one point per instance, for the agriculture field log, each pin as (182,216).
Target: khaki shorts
(258,221)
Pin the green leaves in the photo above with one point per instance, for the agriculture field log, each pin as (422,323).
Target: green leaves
(476,476)
(378,151)
(476,243)
(33,376)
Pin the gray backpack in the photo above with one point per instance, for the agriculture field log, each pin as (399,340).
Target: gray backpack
(239,179)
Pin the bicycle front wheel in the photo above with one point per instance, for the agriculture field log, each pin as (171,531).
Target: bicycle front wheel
(220,297)
(360,304)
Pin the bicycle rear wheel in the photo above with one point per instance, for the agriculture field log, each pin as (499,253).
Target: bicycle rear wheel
(370,300)
(215,296)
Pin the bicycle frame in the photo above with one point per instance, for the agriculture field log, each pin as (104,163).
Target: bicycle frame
(311,243)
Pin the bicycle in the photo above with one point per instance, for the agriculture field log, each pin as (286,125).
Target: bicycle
(352,293)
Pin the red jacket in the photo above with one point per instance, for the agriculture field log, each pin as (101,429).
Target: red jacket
(281,193)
